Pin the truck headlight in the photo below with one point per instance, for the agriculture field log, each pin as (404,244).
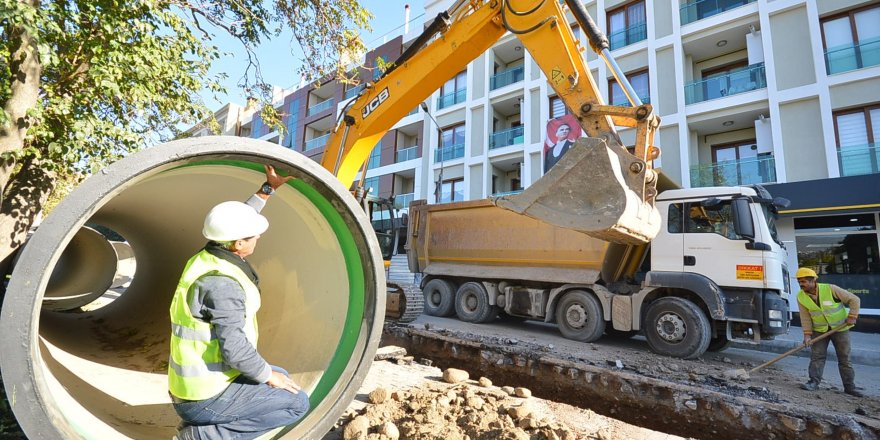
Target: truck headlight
(776,314)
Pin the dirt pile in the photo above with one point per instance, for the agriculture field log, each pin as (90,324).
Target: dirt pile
(449,405)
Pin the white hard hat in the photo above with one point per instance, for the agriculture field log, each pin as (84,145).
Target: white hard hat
(233,221)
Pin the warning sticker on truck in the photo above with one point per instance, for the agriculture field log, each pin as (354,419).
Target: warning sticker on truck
(749,272)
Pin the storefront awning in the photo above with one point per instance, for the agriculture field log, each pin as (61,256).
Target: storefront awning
(835,195)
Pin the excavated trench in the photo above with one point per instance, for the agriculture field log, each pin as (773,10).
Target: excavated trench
(702,412)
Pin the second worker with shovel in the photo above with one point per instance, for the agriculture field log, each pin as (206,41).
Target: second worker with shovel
(824,305)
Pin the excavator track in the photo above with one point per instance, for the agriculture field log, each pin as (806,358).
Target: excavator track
(404,303)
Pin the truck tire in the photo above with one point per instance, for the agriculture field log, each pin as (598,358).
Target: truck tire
(472,303)
(678,328)
(439,297)
(579,316)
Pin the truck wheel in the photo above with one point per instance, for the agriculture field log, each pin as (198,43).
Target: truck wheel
(472,304)
(579,316)
(677,327)
(439,297)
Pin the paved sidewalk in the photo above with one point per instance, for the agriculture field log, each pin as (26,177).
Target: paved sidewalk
(865,346)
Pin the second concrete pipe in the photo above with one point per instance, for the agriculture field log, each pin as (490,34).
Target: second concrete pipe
(101,374)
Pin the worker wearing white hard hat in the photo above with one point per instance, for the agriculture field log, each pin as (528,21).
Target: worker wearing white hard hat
(220,386)
(823,308)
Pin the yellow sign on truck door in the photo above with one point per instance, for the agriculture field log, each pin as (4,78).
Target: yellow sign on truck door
(749,272)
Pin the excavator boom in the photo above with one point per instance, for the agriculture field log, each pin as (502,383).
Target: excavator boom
(598,187)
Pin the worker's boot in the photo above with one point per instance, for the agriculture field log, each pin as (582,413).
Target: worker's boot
(852,391)
(810,386)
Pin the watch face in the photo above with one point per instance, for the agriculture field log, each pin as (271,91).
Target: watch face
(267,189)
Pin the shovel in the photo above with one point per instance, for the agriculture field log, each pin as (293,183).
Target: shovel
(742,374)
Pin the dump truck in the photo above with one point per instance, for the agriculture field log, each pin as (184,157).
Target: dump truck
(714,272)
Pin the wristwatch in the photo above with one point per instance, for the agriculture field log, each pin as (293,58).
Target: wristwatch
(267,189)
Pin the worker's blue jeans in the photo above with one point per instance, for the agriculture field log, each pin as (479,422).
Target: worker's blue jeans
(245,410)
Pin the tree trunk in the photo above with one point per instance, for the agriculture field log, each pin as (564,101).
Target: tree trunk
(15,207)
(23,199)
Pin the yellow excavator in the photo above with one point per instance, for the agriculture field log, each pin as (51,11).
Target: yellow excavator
(600,187)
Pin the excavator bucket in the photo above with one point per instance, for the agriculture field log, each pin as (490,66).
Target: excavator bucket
(596,189)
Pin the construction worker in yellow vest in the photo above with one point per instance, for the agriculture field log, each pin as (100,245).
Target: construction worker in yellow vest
(822,309)
(220,385)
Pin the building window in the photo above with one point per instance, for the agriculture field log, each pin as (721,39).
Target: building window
(843,250)
(858,133)
(557,107)
(451,143)
(372,182)
(639,83)
(627,25)
(452,191)
(257,127)
(292,125)
(379,67)
(375,157)
(454,90)
(851,39)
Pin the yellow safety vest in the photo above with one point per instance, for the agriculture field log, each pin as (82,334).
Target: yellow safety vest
(828,313)
(196,370)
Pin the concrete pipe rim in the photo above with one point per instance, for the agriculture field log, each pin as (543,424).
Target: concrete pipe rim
(22,367)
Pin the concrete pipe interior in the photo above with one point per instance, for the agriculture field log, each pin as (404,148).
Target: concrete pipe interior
(84,272)
(101,374)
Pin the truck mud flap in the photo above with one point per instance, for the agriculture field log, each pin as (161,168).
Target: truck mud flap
(595,189)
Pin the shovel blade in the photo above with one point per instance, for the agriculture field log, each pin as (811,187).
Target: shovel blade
(592,190)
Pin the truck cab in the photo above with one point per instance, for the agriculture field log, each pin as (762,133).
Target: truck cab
(719,249)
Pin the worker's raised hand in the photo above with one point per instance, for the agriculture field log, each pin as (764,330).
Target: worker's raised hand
(274,179)
(279,380)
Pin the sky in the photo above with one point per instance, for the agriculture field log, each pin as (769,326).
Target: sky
(279,65)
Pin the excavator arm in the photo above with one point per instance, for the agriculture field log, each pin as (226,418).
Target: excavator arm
(598,187)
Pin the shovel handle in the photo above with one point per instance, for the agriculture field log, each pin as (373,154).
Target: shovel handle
(797,349)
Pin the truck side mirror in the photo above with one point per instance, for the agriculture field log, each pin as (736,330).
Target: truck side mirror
(742,219)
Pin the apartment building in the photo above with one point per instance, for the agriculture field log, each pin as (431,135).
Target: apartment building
(784,93)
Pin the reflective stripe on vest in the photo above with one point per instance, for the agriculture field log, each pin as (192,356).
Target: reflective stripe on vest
(828,313)
(196,370)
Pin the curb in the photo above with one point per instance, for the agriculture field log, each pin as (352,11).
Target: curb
(857,355)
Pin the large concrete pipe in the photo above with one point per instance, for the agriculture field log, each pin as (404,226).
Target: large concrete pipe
(102,374)
(83,273)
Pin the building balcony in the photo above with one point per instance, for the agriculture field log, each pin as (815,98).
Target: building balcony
(745,80)
(859,159)
(627,36)
(402,201)
(316,143)
(506,78)
(852,56)
(405,154)
(319,107)
(352,92)
(507,193)
(694,11)
(625,102)
(735,172)
(451,98)
(448,153)
(504,138)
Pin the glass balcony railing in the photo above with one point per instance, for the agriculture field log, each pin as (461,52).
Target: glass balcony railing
(859,159)
(693,11)
(507,193)
(451,98)
(740,81)
(735,172)
(352,92)
(506,78)
(449,153)
(317,142)
(321,106)
(504,138)
(402,201)
(629,35)
(413,111)
(405,154)
(625,102)
(852,56)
